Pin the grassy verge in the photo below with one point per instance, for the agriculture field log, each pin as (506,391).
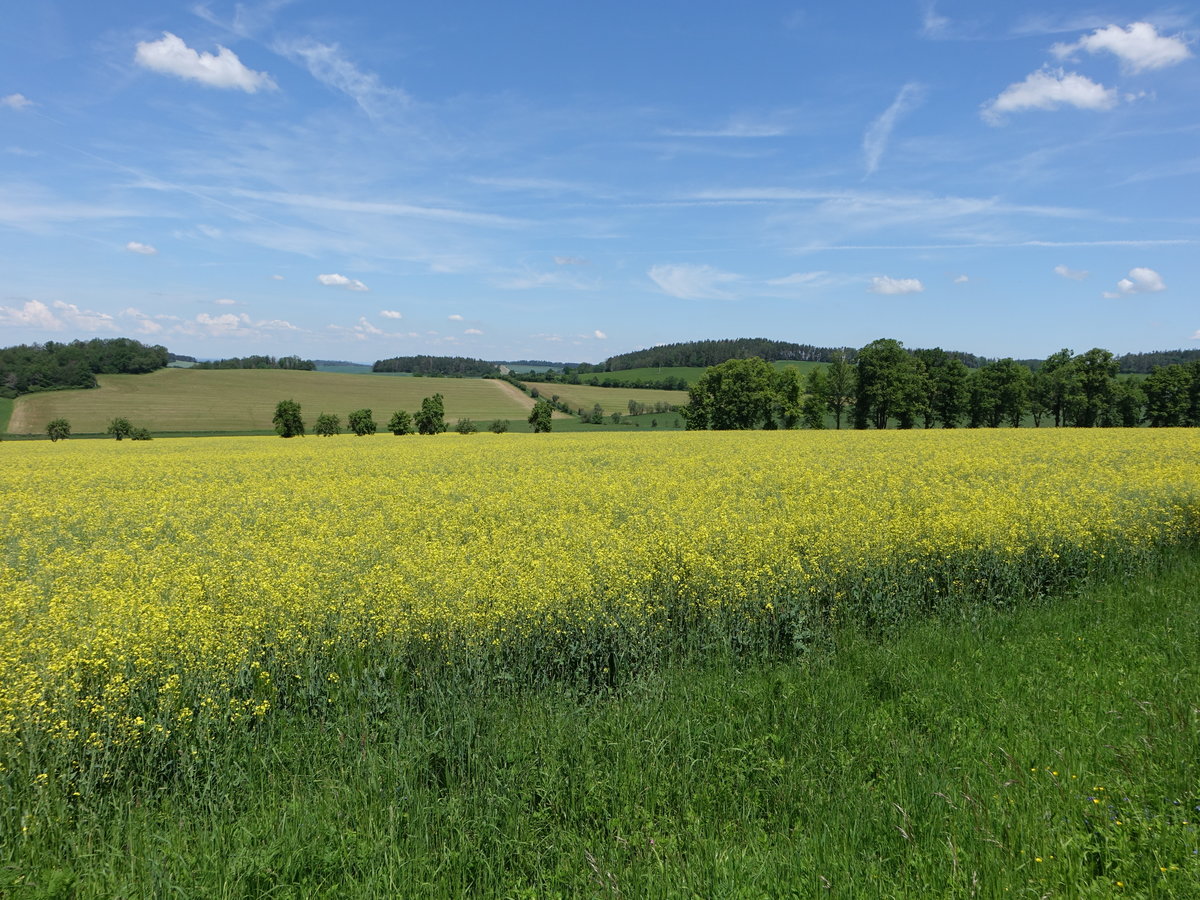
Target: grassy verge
(6,408)
(1053,751)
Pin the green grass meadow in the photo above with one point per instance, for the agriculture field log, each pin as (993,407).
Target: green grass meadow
(6,408)
(1053,751)
(243,400)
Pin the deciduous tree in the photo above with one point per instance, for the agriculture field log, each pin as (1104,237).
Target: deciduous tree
(328,424)
(431,418)
(59,430)
(362,422)
(288,422)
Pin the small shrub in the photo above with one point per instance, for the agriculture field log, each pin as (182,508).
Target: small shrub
(466,426)
(499,426)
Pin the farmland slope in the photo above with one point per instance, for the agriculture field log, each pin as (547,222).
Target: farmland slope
(244,400)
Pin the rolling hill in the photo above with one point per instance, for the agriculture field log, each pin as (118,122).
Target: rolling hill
(243,400)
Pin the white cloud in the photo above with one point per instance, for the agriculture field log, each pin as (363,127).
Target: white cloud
(33,314)
(390,314)
(231,325)
(1073,274)
(277,278)
(142,322)
(961,279)
(1049,89)
(472,331)
(16,101)
(599,335)
(144,249)
(365,325)
(56,317)
(336,280)
(692,282)
(455,317)
(1196,336)
(570,261)
(1140,281)
(877,135)
(327,64)
(225,301)
(172,56)
(1138,46)
(883,284)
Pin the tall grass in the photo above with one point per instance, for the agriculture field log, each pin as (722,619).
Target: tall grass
(1047,751)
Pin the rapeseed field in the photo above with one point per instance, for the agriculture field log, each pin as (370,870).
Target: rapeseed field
(158,595)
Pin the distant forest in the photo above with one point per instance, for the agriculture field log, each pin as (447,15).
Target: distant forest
(712,353)
(451,366)
(28,368)
(259,362)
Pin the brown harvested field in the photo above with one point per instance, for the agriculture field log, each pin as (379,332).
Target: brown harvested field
(244,400)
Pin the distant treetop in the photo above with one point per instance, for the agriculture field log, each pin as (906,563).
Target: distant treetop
(462,366)
(259,362)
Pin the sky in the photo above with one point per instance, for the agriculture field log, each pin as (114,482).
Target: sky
(568,181)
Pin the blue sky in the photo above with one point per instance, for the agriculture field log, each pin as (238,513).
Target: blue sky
(569,181)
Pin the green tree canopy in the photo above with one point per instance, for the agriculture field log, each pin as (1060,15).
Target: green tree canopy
(328,424)
(735,395)
(288,422)
(59,430)
(541,416)
(362,422)
(400,423)
(119,428)
(431,418)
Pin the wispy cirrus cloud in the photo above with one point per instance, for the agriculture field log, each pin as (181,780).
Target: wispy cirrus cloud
(330,66)
(688,281)
(171,56)
(876,138)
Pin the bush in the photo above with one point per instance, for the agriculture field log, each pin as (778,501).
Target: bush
(499,426)
(141,434)
(466,426)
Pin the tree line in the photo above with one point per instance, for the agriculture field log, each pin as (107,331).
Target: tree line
(453,366)
(52,366)
(429,419)
(259,362)
(886,385)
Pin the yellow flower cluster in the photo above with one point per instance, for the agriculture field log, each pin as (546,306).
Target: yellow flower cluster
(147,588)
